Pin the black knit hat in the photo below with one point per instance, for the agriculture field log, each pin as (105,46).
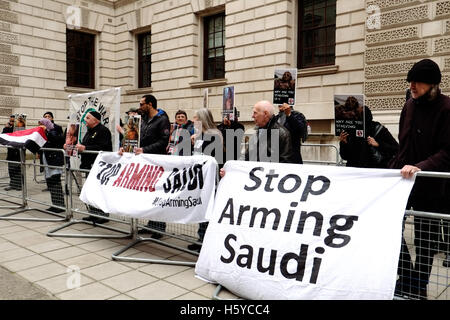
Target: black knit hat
(426,71)
(96,114)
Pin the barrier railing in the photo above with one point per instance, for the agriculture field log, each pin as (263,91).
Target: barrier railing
(176,235)
(337,159)
(19,181)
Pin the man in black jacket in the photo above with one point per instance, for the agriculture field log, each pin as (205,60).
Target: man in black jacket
(97,138)
(55,140)
(260,145)
(295,122)
(13,154)
(231,129)
(155,133)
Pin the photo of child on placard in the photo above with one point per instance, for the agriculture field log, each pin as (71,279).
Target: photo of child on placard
(72,139)
(284,86)
(349,115)
(20,122)
(131,135)
(228,103)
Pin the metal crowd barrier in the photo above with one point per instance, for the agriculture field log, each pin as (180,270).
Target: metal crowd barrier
(317,150)
(20,181)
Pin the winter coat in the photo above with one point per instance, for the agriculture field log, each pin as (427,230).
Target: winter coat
(296,125)
(424,136)
(95,139)
(264,147)
(155,133)
(357,151)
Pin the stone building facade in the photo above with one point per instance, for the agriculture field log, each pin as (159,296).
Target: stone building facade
(260,35)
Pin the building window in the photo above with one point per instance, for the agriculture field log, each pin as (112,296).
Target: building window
(145,60)
(317,33)
(80,59)
(214,44)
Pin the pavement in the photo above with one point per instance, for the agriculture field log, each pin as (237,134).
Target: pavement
(34,265)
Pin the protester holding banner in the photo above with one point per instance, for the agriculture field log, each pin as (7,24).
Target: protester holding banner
(155,132)
(260,146)
(295,122)
(55,140)
(13,154)
(97,138)
(424,136)
(375,151)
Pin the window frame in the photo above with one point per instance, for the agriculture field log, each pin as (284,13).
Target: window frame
(206,60)
(71,79)
(142,60)
(301,51)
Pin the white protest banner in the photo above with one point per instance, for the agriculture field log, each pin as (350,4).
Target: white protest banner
(150,186)
(286,231)
(106,102)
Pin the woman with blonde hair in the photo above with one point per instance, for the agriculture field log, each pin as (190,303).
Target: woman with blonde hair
(206,133)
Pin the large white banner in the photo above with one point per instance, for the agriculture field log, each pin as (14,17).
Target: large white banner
(150,186)
(106,102)
(286,231)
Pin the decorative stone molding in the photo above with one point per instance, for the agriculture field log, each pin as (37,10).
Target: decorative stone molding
(8,16)
(405,16)
(5,69)
(9,101)
(447,64)
(386,70)
(209,83)
(139,91)
(391,103)
(390,4)
(6,112)
(445,83)
(9,81)
(383,87)
(9,59)
(317,71)
(442,9)
(388,53)
(9,37)
(6,91)
(442,46)
(408,33)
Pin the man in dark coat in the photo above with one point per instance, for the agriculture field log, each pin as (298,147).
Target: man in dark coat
(424,136)
(155,133)
(97,138)
(260,146)
(295,122)
(13,154)
(55,140)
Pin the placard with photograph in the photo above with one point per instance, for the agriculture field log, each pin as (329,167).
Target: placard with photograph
(285,81)
(228,102)
(20,122)
(72,139)
(349,114)
(131,135)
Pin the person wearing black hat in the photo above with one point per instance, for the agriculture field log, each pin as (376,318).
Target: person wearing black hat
(97,138)
(424,145)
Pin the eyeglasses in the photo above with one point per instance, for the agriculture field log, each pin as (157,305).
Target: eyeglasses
(141,104)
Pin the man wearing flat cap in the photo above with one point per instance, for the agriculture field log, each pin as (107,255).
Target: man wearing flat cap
(97,138)
(424,138)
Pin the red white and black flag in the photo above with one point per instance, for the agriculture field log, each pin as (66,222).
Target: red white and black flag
(31,139)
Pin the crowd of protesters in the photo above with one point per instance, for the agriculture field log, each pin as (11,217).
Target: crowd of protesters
(424,144)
